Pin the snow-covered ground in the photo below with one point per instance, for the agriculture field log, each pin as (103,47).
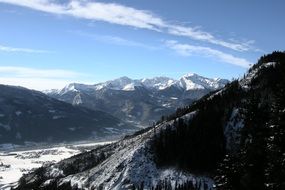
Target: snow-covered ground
(15,162)
(130,164)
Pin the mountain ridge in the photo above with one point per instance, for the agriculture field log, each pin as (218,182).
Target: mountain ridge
(158,83)
(29,115)
(139,101)
(230,139)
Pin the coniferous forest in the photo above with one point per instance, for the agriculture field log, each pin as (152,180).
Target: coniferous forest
(199,145)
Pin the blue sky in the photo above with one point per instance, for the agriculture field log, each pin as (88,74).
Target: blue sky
(46,43)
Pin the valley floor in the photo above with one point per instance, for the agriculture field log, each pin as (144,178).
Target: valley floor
(16,160)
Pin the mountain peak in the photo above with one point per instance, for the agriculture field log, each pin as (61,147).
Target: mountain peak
(158,83)
(123,78)
(191,75)
(190,81)
(193,81)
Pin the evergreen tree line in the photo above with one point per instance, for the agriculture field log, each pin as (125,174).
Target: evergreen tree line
(198,144)
(260,163)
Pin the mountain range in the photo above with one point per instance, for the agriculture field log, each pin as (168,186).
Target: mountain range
(232,138)
(139,102)
(81,112)
(28,115)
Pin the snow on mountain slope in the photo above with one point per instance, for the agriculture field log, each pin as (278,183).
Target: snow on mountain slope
(15,163)
(128,165)
(74,87)
(158,83)
(139,101)
(129,87)
(187,82)
(232,130)
(245,82)
(193,81)
(122,83)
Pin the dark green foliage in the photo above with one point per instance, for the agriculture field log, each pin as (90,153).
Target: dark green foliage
(138,132)
(187,185)
(276,56)
(78,165)
(33,181)
(260,163)
(197,144)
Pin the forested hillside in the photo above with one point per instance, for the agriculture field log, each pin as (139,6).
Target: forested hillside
(230,139)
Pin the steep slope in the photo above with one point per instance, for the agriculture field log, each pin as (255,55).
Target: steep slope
(237,134)
(127,164)
(230,139)
(258,163)
(27,115)
(139,101)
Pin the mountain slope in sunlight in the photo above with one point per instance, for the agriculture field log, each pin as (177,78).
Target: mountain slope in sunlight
(139,101)
(230,139)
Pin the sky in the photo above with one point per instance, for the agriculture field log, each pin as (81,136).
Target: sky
(46,44)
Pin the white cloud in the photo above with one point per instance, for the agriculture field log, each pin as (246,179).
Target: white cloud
(115,40)
(42,73)
(21,50)
(128,16)
(35,83)
(38,79)
(188,50)
(207,37)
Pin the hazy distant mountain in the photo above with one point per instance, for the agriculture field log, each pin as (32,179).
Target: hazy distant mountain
(139,101)
(230,139)
(27,115)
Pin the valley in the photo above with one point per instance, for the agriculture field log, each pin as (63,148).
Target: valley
(16,160)
(142,95)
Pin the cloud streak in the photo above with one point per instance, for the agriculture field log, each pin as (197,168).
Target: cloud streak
(21,50)
(38,79)
(122,15)
(116,40)
(188,50)
(37,73)
(40,84)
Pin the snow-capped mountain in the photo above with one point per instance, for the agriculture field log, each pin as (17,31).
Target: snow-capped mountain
(28,115)
(140,101)
(194,82)
(189,81)
(158,83)
(229,139)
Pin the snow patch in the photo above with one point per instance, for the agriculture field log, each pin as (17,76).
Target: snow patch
(245,82)
(13,164)
(57,117)
(18,113)
(77,100)
(129,87)
(232,130)
(5,126)
(131,164)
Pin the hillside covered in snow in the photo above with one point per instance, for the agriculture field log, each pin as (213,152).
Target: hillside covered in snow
(229,139)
